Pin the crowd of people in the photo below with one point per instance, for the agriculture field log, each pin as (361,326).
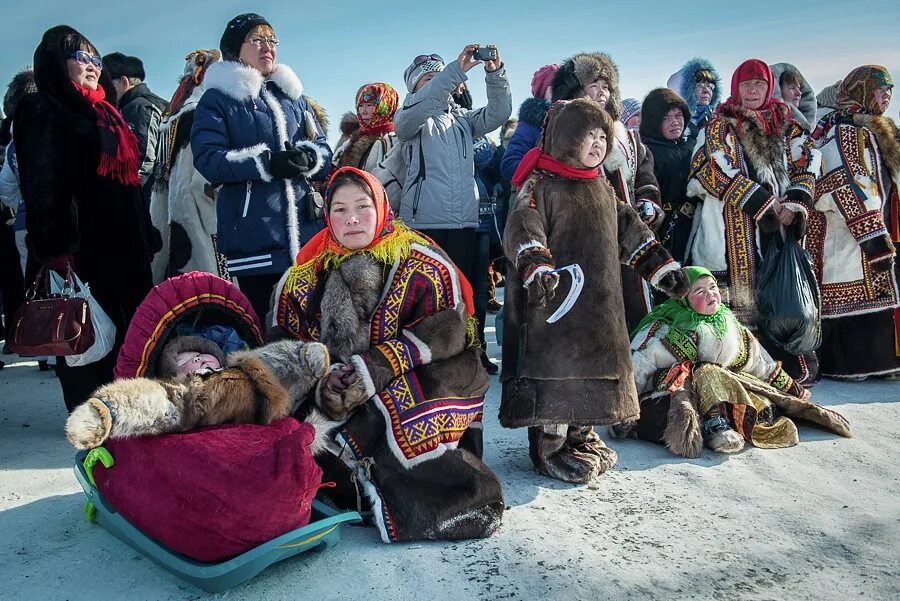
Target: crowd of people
(388,248)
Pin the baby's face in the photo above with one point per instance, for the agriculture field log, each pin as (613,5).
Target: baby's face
(190,362)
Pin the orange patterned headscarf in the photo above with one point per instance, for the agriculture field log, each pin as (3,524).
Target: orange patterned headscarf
(385,100)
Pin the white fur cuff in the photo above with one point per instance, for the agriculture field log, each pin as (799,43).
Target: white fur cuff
(362,369)
(320,157)
(796,207)
(322,426)
(662,271)
(539,271)
(252,152)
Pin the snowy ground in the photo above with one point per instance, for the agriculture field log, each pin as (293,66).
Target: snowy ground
(817,521)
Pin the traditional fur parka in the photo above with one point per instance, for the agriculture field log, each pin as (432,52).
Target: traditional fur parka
(854,237)
(576,371)
(738,171)
(412,443)
(183,202)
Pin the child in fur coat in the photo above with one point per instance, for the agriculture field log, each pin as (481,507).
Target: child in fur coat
(561,379)
(724,387)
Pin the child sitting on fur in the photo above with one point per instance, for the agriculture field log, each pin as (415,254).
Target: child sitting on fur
(561,379)
(725,388)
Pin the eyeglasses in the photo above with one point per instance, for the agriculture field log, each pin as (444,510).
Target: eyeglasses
(426,57)
(83,58)
(259,42)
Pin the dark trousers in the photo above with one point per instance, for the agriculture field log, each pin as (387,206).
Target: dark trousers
(461,245)
(258,290)
(12,283)
(79,382)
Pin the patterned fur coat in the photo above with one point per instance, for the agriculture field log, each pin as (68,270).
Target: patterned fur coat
(415,447)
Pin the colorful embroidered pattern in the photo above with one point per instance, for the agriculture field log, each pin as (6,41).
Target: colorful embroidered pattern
(293,303)
(742,358)
(743,261)
(682,344)
(400,356)
(419,424)
(867,226)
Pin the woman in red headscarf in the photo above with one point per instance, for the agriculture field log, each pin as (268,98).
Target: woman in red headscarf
(755,169)
(406,387)
(855,230)
(366,147)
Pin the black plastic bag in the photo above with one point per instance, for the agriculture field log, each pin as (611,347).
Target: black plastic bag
(787,298)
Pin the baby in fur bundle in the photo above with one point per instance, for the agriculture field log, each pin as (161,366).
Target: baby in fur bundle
(199,386)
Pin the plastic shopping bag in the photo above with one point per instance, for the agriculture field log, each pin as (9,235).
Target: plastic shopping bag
(104,328)
(787,298)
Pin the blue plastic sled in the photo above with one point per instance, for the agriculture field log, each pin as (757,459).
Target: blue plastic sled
(323,532)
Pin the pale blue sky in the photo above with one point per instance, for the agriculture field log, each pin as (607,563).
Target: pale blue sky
(337,46)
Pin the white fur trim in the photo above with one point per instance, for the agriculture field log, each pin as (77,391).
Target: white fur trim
(317,151)
(424,351)
(796,207)
(293,224)
(322,441)
(363,370)
(234,80)
(252,152)
(285,78)
(540,270)
(662,271)
(530,244)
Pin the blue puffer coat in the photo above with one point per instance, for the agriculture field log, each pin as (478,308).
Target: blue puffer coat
(526,136)
(239,120)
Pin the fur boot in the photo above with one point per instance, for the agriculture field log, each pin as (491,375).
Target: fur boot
(682,434)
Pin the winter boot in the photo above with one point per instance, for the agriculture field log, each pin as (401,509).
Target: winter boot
(719,436)
(551,456)
(584,440)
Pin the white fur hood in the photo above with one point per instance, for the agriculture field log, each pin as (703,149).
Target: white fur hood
(241,82)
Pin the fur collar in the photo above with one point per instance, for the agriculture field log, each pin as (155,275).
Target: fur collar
(533,111)
(356,149)
(241,82)
(765,153)
(616,158)
(888,137)
(351,293)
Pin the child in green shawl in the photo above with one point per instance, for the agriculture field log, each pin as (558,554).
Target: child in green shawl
(724,387)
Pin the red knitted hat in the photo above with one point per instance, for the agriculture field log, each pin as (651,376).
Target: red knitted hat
(541,80)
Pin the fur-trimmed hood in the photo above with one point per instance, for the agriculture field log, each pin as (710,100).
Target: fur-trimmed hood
(240,81)
(567,125)
(167,367)
(320,113)
(533,111)
(584,69)
(805,115)
(682,81)
(22,83)
(657,103)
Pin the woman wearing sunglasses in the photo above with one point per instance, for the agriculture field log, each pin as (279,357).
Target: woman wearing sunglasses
(78,171)
(255,134)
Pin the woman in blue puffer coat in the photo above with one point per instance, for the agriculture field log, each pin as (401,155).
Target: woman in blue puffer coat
(255,134)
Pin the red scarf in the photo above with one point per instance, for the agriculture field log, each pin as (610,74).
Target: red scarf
(537,160)
(119,157)
(770,115)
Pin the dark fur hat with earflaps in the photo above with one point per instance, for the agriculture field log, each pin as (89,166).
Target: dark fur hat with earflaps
(566,125)
(654,109)
(584,69)
(167,366)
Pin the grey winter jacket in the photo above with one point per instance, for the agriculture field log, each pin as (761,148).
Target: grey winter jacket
(142,111)
(439,189)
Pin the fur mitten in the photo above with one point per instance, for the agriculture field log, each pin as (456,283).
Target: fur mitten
(541,286)
(682,434)
(338,403)
(298,365)
(675,284)
(769,221)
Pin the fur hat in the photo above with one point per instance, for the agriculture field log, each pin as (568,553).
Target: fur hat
(22,83)
(167,366)
(568,122)
(415,72)
(541,80)
(657,103)
(630,108)
(584,69)
(235,33)
(684,82)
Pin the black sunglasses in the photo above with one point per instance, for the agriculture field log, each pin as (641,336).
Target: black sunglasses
(426,57)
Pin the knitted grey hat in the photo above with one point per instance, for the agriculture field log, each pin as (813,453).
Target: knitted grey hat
(415,72)
(630,108)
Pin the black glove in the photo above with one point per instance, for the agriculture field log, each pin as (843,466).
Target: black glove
(675,284)
(879,253)
(289,163)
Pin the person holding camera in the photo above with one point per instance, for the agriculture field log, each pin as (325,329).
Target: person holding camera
(255,134)
(439,195)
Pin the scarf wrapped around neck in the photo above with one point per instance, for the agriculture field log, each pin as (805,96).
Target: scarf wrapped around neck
(119,156)
(679,315)
(771,115)
(855,95)
(538,160)
(392,241)
(385,100)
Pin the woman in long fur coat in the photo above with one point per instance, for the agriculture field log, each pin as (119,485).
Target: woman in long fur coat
(754,168)
(854,232)
(406,391)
